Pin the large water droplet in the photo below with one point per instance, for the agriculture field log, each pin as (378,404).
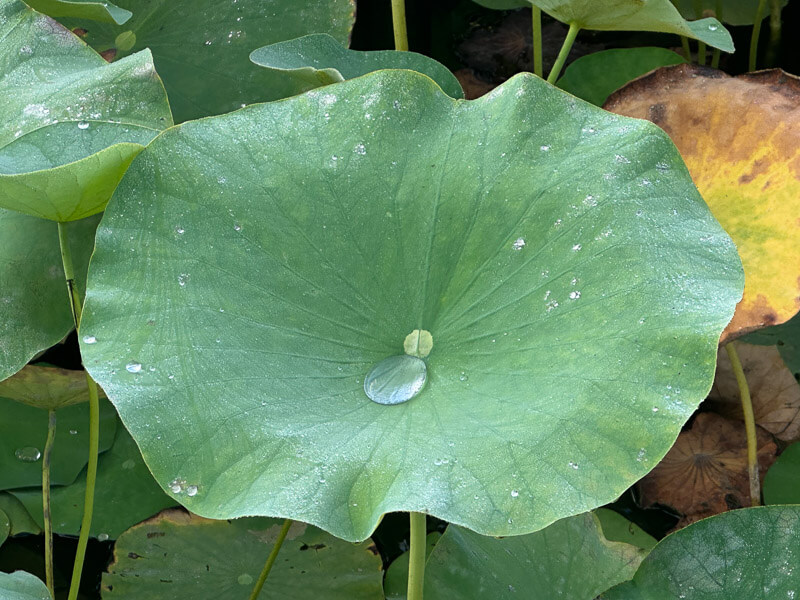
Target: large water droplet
(28,454)
(396,379)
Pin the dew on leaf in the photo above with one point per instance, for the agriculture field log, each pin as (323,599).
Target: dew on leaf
(514,493)
(396,379)
(89,339)
(574,295)
(574,465)
(83,125)
(102,537)
(519,244)
(28,454)
(191,490)
(133,367)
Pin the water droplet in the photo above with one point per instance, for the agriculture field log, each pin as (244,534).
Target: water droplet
(576,247)
(519,244)
(191,490)
(544,148)
(396,379)
(463,376)
(83,125)
(176,485)
(360,149)
(133,367)
(621,159)
(89,339)
(514,493)
(237,227)
(655,409)
(28,454)
(102,537)
(73,432)
(208,42)
(713,27)
(245,579)
(182,279)
(129,464)
(574,295)
(179,229)
(574,465)
(662,167)
(640,456)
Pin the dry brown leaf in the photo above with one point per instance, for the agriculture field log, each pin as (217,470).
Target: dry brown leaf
(705,472)
(774,391)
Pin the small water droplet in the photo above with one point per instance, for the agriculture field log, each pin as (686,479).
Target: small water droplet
(102,537)
(133,367)
(713,27)
(576,247)
(237,227)
(89,339)
(208,43)
(396,379)
(73,432)
(621,159)
(182,279)
(514,493)
(574,465)
(360,149)
(463,376)
(574,295)
(544,148)
(655,409)
(519,244)
(179,229)
(640,456)
(28,454)
(191,490)
(83,125)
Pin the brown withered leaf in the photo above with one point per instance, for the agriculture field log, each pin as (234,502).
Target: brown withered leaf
(705,472)
(473,86)
(774,391)
(48,388)
(740,138)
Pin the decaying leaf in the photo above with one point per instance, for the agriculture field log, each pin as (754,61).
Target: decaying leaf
(774,391)
(740,138)
(48,388)
(705,472)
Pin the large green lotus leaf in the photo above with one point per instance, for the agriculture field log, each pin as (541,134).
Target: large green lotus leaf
(202,47)
(596,76)
(20,518)
(180,555)
(34,304)
(746,553)
(125,494)
(23,431)
(786,337)
(82,9)
(735,12)
(782,483)
(570,559)
(253,268)
(629,15)
(318,59)
(70,123)
(22,586)
(49,388)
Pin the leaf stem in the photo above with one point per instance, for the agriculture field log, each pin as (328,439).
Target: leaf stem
(774,31)
(94,420)
(273,555)
(536,23)
(749,424)
(762,4)
(701,46)
(717,52)
(416,556)
(399,24)
(687,51)
(574,28)
(48,520)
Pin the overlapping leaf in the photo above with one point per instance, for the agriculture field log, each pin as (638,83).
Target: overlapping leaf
(740,138)
(782,483)
(253,268)
(48,388)
(201,47)
(69,122)
(94,10)
(735,12)
(22,586)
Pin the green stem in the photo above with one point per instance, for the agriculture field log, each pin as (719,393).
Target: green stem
(94,420)
(416,557)
(399,23)
(701,46)
(687,52)
(774,31)
(536,22)
(574,28)
(48,520)
(273,555)
(762,4)
(749,424)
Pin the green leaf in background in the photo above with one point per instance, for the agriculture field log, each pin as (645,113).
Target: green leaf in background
(786,337)
(395,582)
(5,526)
(22,586)
(570,558)
(745,553)
(596,76)
(48,388)
(34,304)
(23,431)
(617,528)
(503,4)
(782,482)
(126,494)
(21,520)
(201,47)
(179,555)
(82,9)
(734,12)
(70,123)
(318,59)
(570,275)
(628,15)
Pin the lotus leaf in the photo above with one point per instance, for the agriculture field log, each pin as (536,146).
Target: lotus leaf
(22,586)
(782,483)
(82,9)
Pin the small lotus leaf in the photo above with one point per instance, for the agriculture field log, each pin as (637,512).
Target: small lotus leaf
(49,388)
(20,518)
(782,482)
(740,138)
(570,559)
(746,553)
(201,47)
(180,555)
(735,12)
(125,494)
(34,304)
(594,77)
(617,528)
(70,123)
(23,431)
(318,59)
(20,585)
(786,337)
(93,10)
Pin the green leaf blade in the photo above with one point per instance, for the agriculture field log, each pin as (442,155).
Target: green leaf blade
(105,12)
